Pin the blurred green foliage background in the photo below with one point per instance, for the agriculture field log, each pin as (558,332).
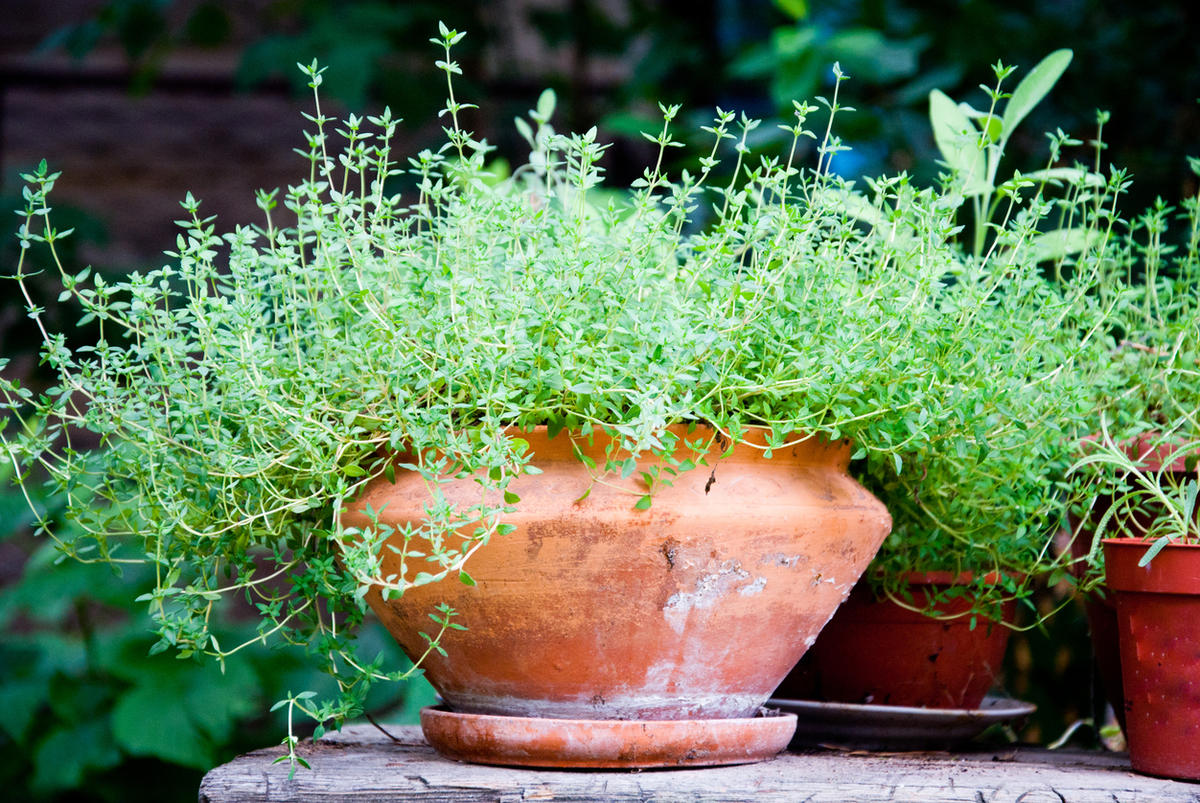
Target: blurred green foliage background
(85,713)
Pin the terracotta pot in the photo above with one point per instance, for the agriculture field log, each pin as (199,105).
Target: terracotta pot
(879,652)
(592,609)
(1158,621)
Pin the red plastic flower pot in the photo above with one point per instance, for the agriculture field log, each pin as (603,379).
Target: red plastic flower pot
(1158,621)
(879,652)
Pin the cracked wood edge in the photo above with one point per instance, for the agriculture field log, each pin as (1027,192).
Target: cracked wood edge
(359,764)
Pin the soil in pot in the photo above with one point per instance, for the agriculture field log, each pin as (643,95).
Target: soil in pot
(877,651)
(595,610)
(1158,622)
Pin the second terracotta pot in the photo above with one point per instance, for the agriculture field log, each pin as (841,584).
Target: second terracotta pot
(1158,622)
(875,651)
(593,609)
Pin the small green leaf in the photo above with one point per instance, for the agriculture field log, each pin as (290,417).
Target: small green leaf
(643,503)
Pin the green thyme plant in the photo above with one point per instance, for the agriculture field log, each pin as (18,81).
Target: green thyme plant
(244,393)
(1027,322)
(1021,348)
(1148,402)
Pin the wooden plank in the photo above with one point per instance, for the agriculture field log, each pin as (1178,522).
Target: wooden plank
(360,765)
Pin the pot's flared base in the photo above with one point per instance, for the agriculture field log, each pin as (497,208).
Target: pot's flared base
(605,743)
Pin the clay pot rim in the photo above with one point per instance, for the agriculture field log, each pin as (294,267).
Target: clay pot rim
(940,577)
(1149,450)
(928,582)
(753,435)
(1122,542)
(1172,571)
(813,447)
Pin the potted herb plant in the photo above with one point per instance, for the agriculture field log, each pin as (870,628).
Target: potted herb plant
(976,514)
(1139,525)
(366,401)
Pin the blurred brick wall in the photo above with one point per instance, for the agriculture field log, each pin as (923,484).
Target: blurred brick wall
(127,159)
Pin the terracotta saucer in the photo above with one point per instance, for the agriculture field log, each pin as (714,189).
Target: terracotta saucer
(605,743)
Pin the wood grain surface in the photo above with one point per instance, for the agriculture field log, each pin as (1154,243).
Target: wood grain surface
(360,764)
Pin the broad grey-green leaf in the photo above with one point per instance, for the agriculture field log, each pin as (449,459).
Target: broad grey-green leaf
(545,105)
(1056,244)
(957,139)
(988,122)
(523,129)
(852,204)
(1069,175)
(993,129)
(861,209)
(1035,86)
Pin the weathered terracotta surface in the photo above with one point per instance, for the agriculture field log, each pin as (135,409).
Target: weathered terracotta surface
(876,651)
(605,743)
(592,609)
(1158,624)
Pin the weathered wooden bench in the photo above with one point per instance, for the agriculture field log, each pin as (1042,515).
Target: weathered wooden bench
(360,764)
